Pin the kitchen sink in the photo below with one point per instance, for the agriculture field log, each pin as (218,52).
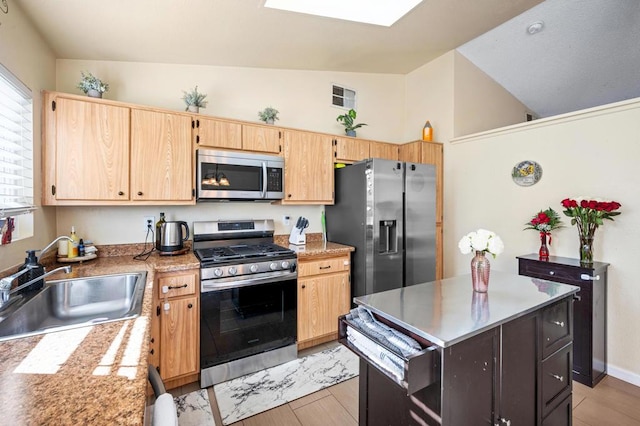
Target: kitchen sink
(77,302)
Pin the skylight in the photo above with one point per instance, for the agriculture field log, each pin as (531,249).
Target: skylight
(377,12)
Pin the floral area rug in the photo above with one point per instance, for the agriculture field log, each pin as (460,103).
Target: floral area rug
(254,393)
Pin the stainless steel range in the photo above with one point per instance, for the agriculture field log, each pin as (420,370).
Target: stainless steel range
(248,297)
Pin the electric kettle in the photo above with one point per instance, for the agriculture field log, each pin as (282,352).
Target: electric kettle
(172,236)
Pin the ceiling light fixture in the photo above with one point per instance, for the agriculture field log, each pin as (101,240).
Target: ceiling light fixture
(535,28)
(380,12)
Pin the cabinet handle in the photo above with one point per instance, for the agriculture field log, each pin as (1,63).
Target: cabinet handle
(304,286)
(288,195)
(576,297)
(503,421)
(325,267)
(120,193)
(166,288)
(588,277)
(552,273)
(153,340)
(151,351)
(190,305)
(139,192)
(560,323)
(555,376)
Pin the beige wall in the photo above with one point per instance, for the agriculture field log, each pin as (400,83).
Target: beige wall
(28,57)
(592,153)
(302,97)
(479,103)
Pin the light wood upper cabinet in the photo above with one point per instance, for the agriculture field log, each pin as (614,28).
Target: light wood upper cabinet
(261,139)
(87,147)
(308,170)
(161,156)
(388,151)
(213,133)
(350,150)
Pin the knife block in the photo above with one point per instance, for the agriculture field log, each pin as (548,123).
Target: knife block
(296,237)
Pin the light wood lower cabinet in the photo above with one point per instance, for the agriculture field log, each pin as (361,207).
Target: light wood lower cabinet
(175,327)
(324,294)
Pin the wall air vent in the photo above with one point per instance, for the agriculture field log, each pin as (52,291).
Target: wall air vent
(343,97)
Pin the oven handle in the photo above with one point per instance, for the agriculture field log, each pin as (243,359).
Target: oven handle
(264,179)
(206,286)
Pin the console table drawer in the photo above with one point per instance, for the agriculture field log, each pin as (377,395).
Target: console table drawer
(556,379)
(557,329)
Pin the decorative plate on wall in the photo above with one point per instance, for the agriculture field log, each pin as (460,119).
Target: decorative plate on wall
(526,173)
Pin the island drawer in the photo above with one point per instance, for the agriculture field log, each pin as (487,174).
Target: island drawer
(556,379)
(557,328)
(418,370)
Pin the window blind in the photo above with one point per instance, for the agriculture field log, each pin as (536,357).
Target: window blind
(16,146)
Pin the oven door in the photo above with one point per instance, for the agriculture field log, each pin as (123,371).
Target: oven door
(223,175)
(241,321)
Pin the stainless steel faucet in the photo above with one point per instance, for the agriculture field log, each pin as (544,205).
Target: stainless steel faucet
(5,283)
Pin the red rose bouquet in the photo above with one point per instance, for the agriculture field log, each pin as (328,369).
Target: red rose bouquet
(588,214)
(545,222)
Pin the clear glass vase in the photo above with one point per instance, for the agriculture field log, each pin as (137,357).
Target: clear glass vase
(586,249)
(480,269)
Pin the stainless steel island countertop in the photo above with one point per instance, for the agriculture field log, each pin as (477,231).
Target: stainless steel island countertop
(448,311)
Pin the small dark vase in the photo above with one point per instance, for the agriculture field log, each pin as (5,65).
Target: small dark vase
(480,269)
(544,250)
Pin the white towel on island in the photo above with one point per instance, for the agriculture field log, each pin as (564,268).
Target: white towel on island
(164,411)
(377,354)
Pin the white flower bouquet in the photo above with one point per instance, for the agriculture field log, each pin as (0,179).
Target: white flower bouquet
(481,240)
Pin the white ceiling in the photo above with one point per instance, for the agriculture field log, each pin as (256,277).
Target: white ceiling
(588,53)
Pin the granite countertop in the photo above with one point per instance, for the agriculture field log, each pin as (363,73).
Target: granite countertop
(448,311)
(315,246)
(89,375)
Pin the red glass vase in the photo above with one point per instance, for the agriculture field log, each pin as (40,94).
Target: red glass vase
(544,250)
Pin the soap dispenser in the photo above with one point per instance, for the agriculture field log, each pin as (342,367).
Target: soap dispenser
(35,270)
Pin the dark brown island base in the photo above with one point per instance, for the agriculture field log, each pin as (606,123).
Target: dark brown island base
(498,358)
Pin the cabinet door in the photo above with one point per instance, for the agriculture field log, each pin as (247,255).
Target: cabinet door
(180,334)
(321,300)
(92,151)
(218,133)
(388,151)
(308,171)
(410,152)
(261,139)
(431,153)
(161,165)
(351,150)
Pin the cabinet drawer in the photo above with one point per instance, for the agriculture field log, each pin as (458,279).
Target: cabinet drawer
(555,272)
(419,370)
(556,379)
(561,416)
(557,328)
(177,285)
(323,266)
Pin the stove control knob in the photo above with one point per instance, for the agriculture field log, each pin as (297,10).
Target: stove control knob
(273,266)
(254,268)
(284,264)
(217,272)
(232,270)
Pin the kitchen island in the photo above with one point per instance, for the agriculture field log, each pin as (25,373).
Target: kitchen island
(89,375)
(496,358)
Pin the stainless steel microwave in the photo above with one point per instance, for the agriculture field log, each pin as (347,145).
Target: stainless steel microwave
(232,175)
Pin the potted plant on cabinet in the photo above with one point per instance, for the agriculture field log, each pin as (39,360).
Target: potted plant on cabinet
(92,85)
(194,100)
(268,115)
(347,122)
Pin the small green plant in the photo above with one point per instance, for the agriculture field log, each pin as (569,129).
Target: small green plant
(91,82)
(193,98)
(347,121)
(268,114)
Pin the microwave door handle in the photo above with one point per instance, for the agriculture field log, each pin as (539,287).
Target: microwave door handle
(264,180)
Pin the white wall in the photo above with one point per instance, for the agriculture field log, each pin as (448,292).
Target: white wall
(28,57)
(592,153)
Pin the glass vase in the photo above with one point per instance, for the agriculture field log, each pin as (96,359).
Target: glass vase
(586,250)
(480,269)
(543,253)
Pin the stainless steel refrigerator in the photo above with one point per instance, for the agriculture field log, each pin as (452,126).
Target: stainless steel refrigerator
(387,210)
